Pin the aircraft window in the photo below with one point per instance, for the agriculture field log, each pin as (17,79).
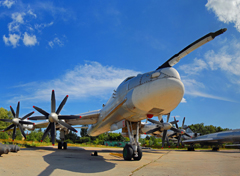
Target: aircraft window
(128,78)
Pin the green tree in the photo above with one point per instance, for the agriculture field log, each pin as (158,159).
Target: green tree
(72,136)
(83,131)
(5,114)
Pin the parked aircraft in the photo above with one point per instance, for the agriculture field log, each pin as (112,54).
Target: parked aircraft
(215,139)
(174,134)
(155,93)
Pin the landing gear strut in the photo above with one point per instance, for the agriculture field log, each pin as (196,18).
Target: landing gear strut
(133,149)
(62,144)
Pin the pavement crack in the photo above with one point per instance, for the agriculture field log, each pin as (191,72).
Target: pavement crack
(148,164)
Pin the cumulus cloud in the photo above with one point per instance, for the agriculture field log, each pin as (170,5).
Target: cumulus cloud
(226,11)
(7,3)
(29,40)
(17,21)
(13,40)
(88,80)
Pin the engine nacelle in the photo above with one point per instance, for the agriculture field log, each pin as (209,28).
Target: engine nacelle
(118,125)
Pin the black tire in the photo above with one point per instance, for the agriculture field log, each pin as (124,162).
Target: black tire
(65,145)
(60,144)
(127,152)
(139,150)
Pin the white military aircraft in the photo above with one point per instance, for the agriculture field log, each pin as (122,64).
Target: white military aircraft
(155,93)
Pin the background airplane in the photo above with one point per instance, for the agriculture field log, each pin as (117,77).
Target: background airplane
(174,134)
(215,139)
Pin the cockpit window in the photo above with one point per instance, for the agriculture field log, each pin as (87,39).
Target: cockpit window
(128,78)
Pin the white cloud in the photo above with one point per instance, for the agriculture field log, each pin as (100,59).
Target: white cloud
(192,69)
(195,88)
(13,40)
(40,27)
(227,11)
(183,100)
(29,40)
(56,41)
(7,3)
(17,21)
(31,13)
(91,79)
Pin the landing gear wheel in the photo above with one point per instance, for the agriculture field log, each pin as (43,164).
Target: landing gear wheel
(215,149)
(127,152)
(139,150)
(60,144)
(65,145)
(191,149)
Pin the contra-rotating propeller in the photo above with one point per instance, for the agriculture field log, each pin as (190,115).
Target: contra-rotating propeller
(177,57)
(182,132)
(161,126)
(54,118)
(17,122)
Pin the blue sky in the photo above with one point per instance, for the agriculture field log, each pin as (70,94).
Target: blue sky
(84,49)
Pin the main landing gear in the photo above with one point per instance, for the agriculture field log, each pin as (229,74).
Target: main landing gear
(133,149)
(62,144)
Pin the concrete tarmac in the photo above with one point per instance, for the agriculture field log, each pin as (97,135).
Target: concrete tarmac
(44,161)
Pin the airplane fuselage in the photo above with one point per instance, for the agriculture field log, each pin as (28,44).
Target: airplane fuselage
(136,98)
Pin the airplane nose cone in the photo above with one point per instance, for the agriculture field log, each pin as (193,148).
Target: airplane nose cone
(159,96)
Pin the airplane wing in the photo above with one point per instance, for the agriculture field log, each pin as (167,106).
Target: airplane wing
(43,124)
(87,118)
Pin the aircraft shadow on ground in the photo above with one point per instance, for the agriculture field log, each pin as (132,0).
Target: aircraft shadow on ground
(75,159)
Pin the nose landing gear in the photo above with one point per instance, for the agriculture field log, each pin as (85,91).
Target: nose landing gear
(133,149)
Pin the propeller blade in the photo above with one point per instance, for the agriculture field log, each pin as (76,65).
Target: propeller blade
(154,121)
(171,135)
(28,115)
(153,130)
(53,102)
(176,123)
(17,111)
(163,138)
(22,131)
(168,116)
(26,122)
(6,120)
(183,122)
(175,130)
(179,138)
(168,142)
(187,135)
(61,105)
(53,133)
(67,126)
(9,127)
(13,113)
(37,118)
(68,117)
(46,131)
(177,57)
(14,133)
(41,111)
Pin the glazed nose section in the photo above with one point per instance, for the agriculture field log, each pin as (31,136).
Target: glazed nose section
(170,72)
(161,95)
